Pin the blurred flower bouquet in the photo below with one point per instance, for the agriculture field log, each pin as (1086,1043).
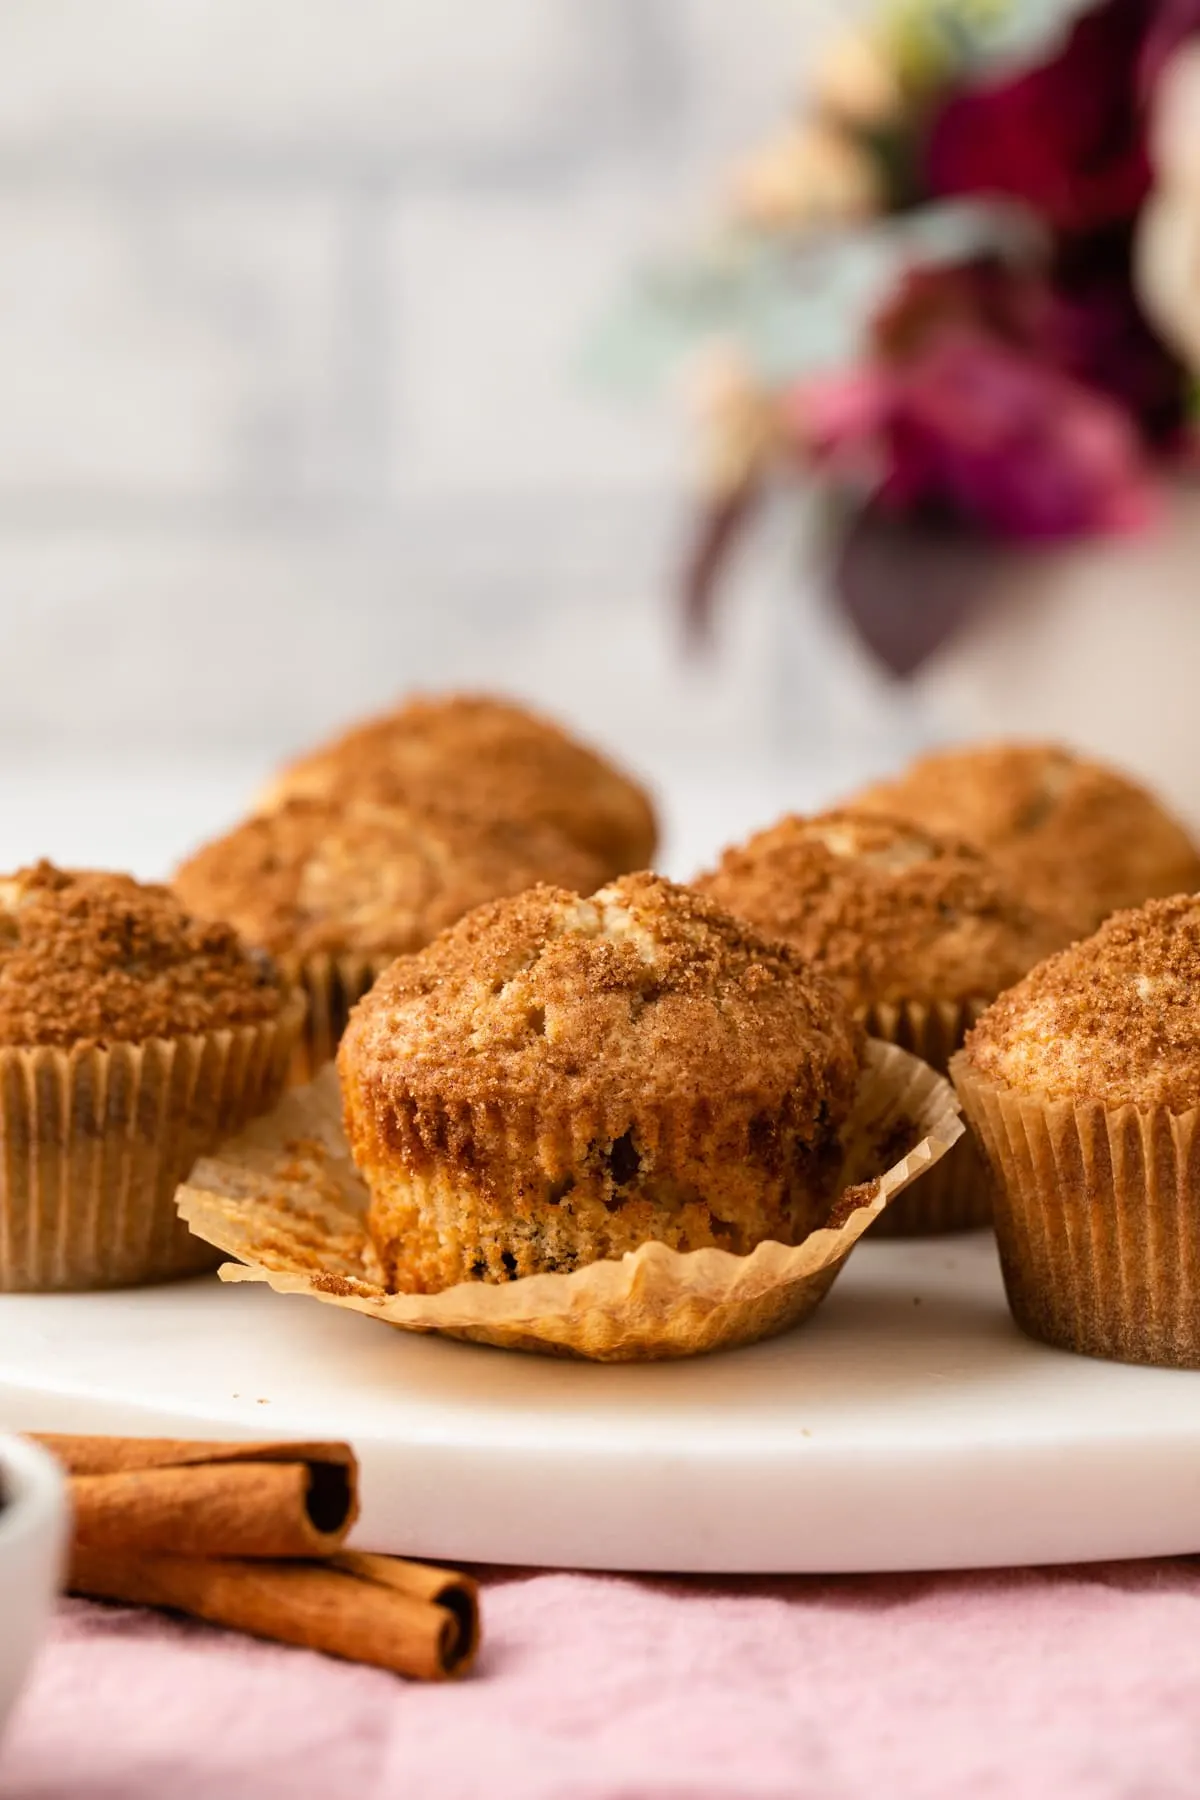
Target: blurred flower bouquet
(960,290)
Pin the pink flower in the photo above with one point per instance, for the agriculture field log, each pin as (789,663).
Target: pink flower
(981,431)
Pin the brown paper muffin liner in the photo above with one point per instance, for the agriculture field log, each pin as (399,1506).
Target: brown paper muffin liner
(286,1199)
(94,1142)
(1097,1215)
(955,1196)
(332,984)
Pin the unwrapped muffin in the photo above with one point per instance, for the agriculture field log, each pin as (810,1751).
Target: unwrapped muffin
(132,1039)
(558,1080)
(335,889)
(1083,1083)
(488,758)
(917,931)
(1072,835)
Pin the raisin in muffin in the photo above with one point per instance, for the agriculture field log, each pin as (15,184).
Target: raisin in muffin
(489,758)
(1083,1084)
(1072,834)
(334,890)
(557,1080)
(917,931)
(132,1039)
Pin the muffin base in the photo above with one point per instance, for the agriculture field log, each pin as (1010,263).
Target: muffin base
(956,1195)
(94,1142)
(286,1199)
(1097,1214)
(568,1189)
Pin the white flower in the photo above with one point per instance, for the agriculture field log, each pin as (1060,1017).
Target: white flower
(1167,248)
(856,83)
(812,174)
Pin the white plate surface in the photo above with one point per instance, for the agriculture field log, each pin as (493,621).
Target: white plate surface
(908,1426)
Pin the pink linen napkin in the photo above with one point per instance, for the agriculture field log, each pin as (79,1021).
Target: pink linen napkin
(1064,1683)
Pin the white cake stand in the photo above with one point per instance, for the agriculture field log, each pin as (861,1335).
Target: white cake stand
(908,1426)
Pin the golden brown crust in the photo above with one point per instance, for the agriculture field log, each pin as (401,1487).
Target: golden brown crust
(888,911)
(99,958)
(640,1064)
(1114,1019)
(488,758)
(1070,832)
(327,878)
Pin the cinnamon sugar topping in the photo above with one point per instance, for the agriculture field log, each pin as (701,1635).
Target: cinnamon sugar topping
(92,957)
(887,910)
(319,876)
(1115,1018)
(1071,834)
(646,988)
(489,759)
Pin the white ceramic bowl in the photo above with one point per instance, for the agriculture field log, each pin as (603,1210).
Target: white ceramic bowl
(33,1529)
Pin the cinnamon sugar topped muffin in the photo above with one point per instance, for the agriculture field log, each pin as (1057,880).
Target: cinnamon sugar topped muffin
(1114,1019)
(556,1080)
(887,910)
(132,1040)
(918,931)
(488,758)
(1083,1086)
(1071,833)
(99,958)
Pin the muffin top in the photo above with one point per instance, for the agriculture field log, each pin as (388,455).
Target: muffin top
(887,910)
(646,993)
(489,758)
(1115,1018)
(330,877)
(1074,836)
(99,958)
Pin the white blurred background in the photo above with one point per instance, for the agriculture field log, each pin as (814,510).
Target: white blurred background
(291,304)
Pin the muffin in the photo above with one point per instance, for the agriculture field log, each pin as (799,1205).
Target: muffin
(1072,835)
(491,759)
(333,890)
(132,1039)
(918,932)
(1083,1083)
(557,1080)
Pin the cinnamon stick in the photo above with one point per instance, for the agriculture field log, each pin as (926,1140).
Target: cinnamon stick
(440,1587)
(352,1615)
(153,1496)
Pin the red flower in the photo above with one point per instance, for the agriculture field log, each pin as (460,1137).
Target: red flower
(978,430)
(1066,137)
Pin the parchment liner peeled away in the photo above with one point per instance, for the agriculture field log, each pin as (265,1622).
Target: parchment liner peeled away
(1097,1215)
(93,1143)
(954,1196)
(286,1199)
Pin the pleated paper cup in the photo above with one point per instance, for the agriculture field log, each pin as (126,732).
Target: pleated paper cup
(955,1196)
(286,1200)
(1097,1213)
(332,985)
(94,1142)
